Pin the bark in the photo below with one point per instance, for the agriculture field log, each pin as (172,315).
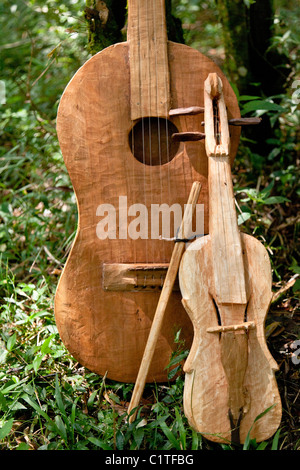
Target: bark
(247,37)
(251,64)
(106,20)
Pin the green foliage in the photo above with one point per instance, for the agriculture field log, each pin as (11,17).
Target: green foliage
(47,400)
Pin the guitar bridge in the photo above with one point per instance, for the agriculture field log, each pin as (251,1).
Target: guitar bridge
(135,277)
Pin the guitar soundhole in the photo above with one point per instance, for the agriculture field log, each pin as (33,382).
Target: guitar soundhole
(151,141)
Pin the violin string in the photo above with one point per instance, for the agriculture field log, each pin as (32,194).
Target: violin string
(220,164)
(233,221)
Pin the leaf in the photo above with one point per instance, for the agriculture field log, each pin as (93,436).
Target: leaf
(11,342)
(120,440)
(6,428)
(138,435)
(37,362)
(37,408)
(23,446)
(3,404)
(45,346)
(248,98)
(170,436)
(266,191)
(275,200)
(173,372)
(243,217)
(296,286)
(58,397)
(256,105)
(61,427)
(177,358)
(91,399)
(98,443)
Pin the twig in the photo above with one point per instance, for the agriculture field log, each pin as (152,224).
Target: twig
(284,288)
(51,256)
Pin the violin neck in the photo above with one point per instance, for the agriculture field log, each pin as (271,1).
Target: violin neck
(149,70)
(227,255)
(226,244)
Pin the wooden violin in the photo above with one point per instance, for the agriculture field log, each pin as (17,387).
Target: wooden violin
(114,126)
(225,281)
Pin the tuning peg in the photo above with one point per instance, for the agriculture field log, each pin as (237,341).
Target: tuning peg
(251,121)
(191,111)
(188,136)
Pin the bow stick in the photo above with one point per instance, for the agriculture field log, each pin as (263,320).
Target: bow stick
(163,300)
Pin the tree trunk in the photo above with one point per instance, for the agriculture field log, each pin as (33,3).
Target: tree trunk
(106,20)
(247,35)
(250,63)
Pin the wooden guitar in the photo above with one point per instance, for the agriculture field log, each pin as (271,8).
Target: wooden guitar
(225,280)
(115,125)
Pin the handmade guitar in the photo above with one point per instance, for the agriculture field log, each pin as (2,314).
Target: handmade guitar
(114,124)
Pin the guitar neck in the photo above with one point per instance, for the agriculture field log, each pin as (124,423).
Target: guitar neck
(149,70)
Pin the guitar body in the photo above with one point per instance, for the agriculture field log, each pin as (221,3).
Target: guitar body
(106,328)
(205,381)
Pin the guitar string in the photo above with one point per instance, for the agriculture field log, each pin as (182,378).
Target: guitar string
(166,97)
(166,130)
(150,138)
(158,128)
(132,184)
(132,39)
(149,14)
(141,62)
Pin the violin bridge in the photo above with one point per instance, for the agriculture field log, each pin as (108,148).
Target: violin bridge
(249,325)
(135,277)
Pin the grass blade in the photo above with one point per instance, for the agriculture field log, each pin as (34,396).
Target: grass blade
(182,431)
(170,436)
(248,440)
(275,441)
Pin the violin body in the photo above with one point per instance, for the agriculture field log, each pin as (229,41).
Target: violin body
(206,390)
(103,323)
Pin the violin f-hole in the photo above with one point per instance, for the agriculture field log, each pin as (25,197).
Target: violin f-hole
(217,315)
